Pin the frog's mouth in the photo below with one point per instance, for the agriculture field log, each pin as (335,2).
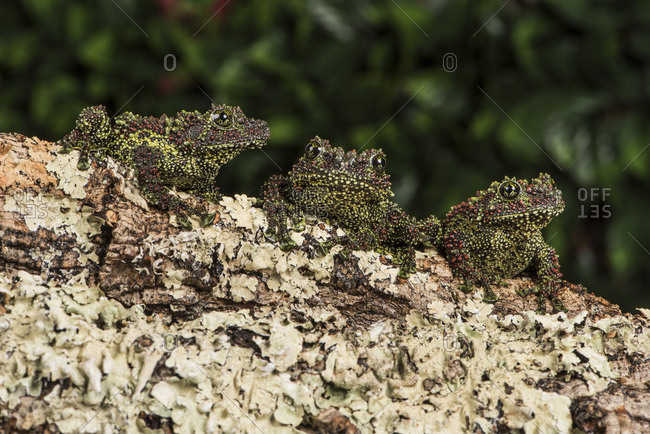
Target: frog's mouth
(538,217)
(335,182)
(252,135)
(243,144)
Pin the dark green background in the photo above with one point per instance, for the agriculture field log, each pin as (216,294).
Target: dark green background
(457,93)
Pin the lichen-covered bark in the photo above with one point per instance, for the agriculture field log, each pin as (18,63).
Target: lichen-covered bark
(113,317)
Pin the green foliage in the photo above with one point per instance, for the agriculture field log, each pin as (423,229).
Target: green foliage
(571,75)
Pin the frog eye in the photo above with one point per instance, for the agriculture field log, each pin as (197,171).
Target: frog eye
(378,163)
(509,190)
(222,118)
(312,150)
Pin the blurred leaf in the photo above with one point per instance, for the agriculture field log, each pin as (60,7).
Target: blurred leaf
(48,94)
(21,51)
(97,51)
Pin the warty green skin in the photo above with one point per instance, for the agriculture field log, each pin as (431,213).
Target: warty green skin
(351,191)
(183,152)
(497,235)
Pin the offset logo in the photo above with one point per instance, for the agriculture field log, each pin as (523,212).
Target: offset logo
(31,207)
(169,62)
(170,342)
(593,203)
(449,62)
(450,343)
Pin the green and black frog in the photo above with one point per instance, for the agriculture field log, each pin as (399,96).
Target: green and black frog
(184,152)
(352,191)
(497,235)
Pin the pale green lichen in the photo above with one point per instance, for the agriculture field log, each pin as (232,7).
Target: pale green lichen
(375,376)
(242,288)
(64,216)
(238,232)
(71,180)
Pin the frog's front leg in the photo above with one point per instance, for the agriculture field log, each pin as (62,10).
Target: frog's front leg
(150,176)
(546,266)
(404,232)
(210,192)
(457,253)
(405,257)
(278,211)
(90,135)
(430,230)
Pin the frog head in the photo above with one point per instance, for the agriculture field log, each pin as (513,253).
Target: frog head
(526,204)
(222,133)
(357,176)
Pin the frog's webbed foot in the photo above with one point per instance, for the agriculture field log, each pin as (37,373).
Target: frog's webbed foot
(345,253)
(173,204)
(403,274)
(278,233)
(270,235)
(299,224)
(405,258)
(546,291)
(184,222)
(74,141)
(468,285)
(324,247)
(182,210)
(84,161)
(288,245)
(282,238)
(66,148)
(211,194)
(489,296)
(208,218)
(158,195)
(85,152)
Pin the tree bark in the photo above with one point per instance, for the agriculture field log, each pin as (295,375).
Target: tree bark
(113,316)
